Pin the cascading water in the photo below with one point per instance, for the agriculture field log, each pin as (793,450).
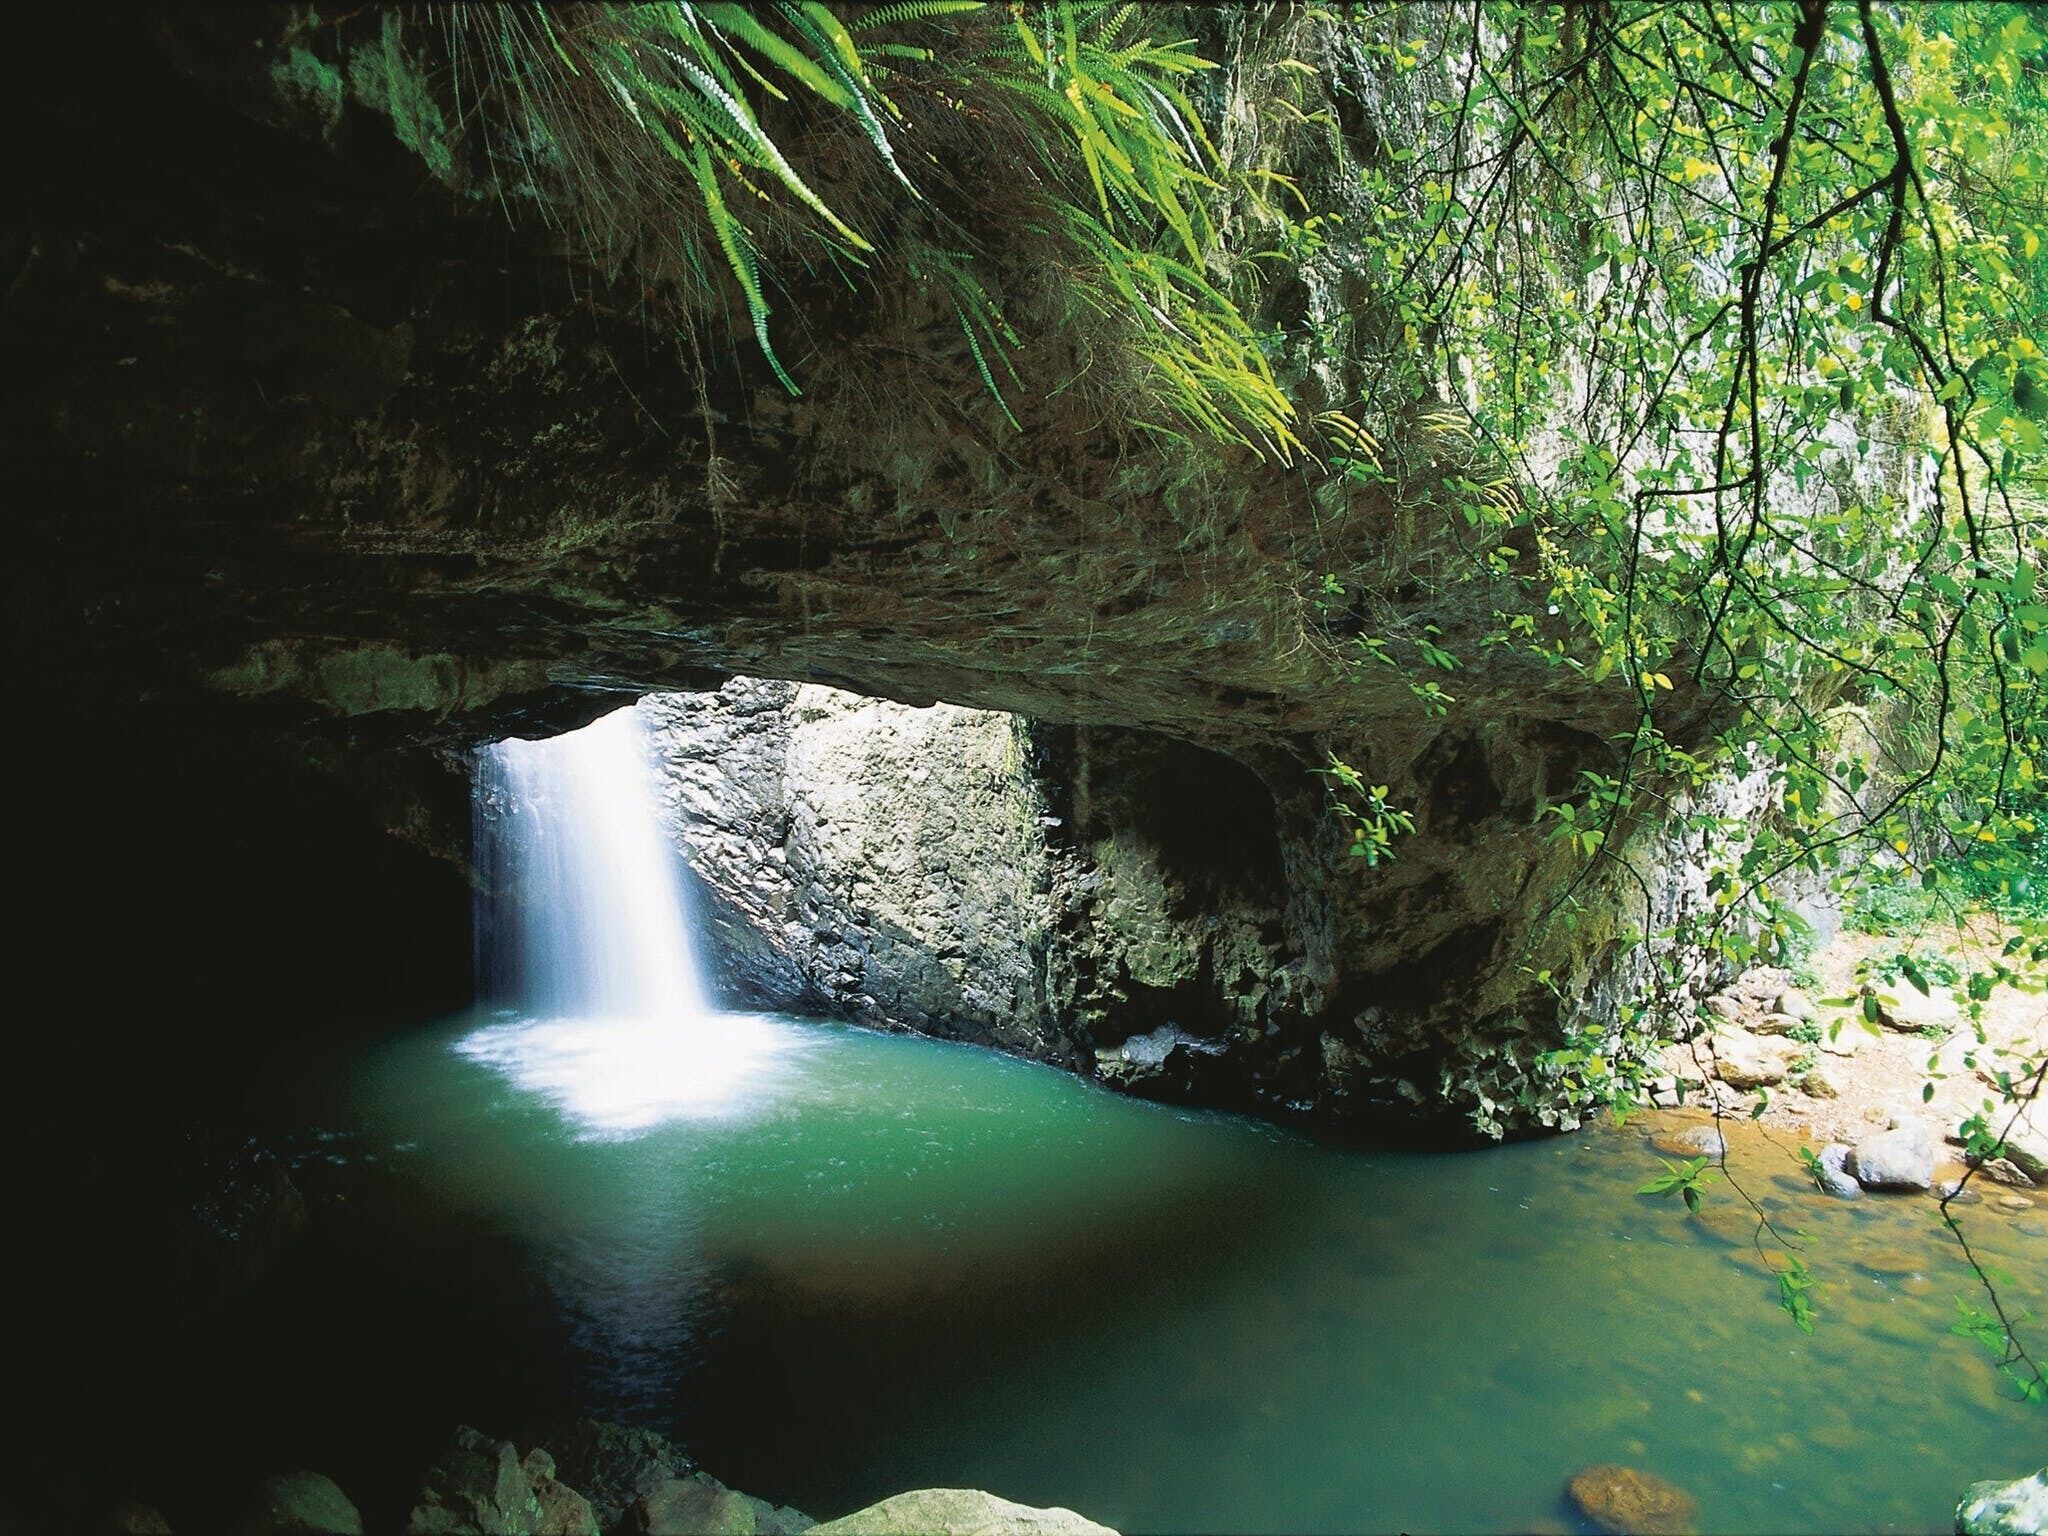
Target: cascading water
(583,912)
(584,948)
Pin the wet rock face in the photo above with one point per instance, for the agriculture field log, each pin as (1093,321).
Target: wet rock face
(959,872)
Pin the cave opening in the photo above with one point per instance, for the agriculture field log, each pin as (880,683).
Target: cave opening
(538,1204)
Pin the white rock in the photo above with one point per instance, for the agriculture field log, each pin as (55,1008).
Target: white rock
(1834,1173)
(1727,1005)
(1794,1003)
(1896,1159)
(1907,1010)
(1761,983)
(1819,1083)
(959,1512)
(2017,1508)
(1746,1060)
(1845,1040)
(1684,1063)
(2026,1144)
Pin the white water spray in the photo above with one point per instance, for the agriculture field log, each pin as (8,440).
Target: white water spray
(584,940)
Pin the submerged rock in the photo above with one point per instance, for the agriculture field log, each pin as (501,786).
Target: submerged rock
(959,1512)
(1692,1141)
(1896,1159)
(300,1501)
(2017,1508)
(1629,1502)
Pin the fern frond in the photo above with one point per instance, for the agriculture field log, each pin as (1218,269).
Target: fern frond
(907,11)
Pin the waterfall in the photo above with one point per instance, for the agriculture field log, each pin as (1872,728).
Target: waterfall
(584,947)
(582,913)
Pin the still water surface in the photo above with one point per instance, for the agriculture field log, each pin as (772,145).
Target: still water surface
(874,1262)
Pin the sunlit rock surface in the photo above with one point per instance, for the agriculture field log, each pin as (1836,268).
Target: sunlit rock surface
(2017,1508)
(959,1512)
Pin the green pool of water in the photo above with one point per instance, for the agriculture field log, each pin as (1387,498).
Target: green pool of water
(877,1262)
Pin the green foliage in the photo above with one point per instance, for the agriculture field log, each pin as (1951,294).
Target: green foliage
(1994,1330)
(1920,968)
(1749,302)
(1795,1291)
(1375,821)
(1685,1179)
(1891,907)
(681,142)
(1815,1169)
(1786,267)
(617,117)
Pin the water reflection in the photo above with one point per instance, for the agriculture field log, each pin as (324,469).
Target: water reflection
(612,1079)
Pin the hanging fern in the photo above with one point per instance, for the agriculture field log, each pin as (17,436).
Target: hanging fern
(640,128)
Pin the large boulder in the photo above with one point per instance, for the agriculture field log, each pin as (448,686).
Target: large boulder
(1629,1502)
(1902,1158)
(1746,1060)
(1914,1012)
(1833,1175)
(614,1465)
(2026,1144)
(299,1502)
(1691,1141)
(698,1507)
(563,1511)
(958,1512)
(1794,1005)
(481,1487)
(2017,1508)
